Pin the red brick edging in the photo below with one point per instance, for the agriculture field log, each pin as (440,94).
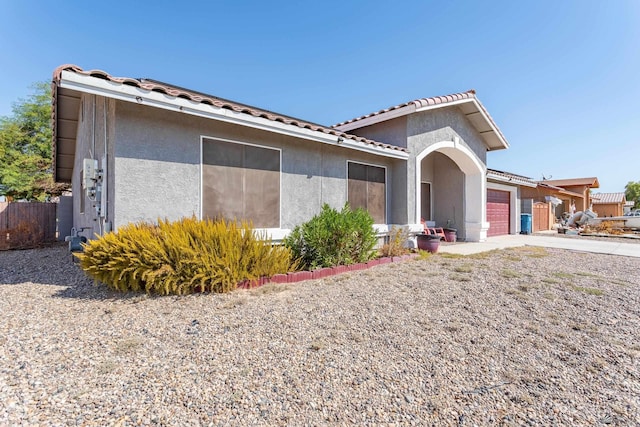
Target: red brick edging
(299,276)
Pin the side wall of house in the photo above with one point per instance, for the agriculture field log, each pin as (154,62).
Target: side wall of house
(158,174)
(608,209)
(95,132)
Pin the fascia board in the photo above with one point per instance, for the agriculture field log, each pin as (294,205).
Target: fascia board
(377,118)
(447,104)
(95,86)
(512,181)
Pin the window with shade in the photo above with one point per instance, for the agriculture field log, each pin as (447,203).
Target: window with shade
(367,189)
(241,181)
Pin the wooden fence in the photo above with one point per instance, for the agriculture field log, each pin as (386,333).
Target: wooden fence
(26,225)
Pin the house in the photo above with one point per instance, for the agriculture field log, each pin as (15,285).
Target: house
(560,194)
(608,204)
(580,186)
(139,149)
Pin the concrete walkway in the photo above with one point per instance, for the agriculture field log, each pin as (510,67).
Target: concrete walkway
(571,243)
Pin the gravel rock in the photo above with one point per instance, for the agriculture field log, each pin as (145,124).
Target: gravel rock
(525,336)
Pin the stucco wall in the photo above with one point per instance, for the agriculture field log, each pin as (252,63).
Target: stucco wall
(448,193)
(435,126)
(157,167)
(95,129)
(608,209)
(392,131)
(432,126)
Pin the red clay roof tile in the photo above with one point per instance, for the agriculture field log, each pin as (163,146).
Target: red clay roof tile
(152,85)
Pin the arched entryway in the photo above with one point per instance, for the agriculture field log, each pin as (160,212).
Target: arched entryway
(454,179)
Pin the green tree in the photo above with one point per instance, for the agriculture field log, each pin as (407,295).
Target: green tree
(25,148)
(632,193)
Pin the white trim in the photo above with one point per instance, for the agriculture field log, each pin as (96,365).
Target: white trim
(474,177)
(445,104)
(376,118)
(438,147)
(514,205)
(510,181)
(110,89)
(412,108)
(386,184)
(231,141)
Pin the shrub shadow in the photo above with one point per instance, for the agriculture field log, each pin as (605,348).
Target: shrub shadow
(53,266)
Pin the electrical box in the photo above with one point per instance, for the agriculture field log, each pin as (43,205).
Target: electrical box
(90,173)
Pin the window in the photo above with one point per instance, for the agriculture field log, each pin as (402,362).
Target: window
(367,189)
(241,181)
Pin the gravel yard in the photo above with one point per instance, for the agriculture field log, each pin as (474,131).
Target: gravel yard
(524,336)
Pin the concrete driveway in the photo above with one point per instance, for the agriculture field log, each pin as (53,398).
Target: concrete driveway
(571,243)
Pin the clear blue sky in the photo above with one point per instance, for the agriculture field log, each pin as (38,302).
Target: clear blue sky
(560,78)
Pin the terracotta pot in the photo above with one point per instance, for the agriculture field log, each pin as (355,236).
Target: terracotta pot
(450,235)
(429,243)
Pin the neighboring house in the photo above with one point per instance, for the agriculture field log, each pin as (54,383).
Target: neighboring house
(581,186)
(561,193)
(609,204)
(139,149)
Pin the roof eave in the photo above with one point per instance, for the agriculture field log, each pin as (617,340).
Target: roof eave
(128,93)
(510,180)
(412,108)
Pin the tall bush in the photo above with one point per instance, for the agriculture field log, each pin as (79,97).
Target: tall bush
(334,238)
(182,257)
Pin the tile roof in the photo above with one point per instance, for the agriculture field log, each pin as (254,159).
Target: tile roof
(560,190)
(511,177)
(591,182)
(606,198)
(178,92)
(432,102)
(418,103)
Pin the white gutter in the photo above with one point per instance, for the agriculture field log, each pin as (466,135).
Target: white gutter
(122,92)
(512,181)
(377,118)
(445,104)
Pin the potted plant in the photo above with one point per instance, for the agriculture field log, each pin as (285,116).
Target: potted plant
(450,235)
(428,242)
(450,232)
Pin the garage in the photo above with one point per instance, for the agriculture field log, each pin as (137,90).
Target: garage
(498,212)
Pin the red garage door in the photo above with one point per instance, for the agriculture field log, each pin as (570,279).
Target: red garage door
(498,212)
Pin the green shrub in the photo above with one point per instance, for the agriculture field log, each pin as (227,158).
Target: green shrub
(396,244)
(333,238)
(182,257)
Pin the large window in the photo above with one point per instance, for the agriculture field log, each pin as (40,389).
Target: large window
(367,190)
(241,181)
